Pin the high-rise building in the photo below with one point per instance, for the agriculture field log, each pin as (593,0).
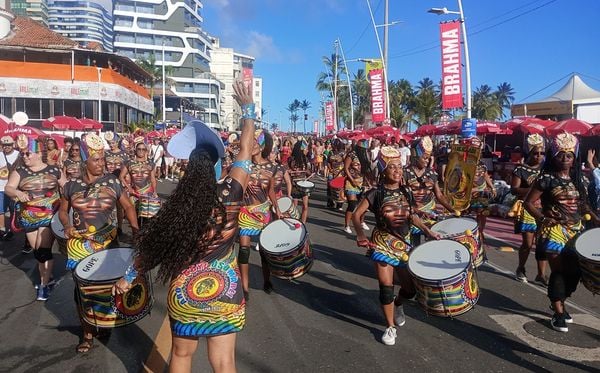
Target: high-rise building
(228,66)
(151,29)
(34,9)
(86,22)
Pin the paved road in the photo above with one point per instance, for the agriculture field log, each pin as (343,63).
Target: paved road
(328,320)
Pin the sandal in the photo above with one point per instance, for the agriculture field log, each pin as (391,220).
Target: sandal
(85,345)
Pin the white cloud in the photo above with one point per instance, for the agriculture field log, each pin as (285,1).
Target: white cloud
(262,47)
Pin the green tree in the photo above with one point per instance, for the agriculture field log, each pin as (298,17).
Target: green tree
(505,94)
(304,105)
(426,105)
(362,89)
(402,102)
(155,71)
(486,105)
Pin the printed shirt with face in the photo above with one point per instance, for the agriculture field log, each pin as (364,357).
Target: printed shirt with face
(421,186)
(257,191)
(94,204)
(560,198)
(39,184)
(527,175)
(72,169)
(479,184)
(392,209)
(114,161)
(278,176)
(140,174)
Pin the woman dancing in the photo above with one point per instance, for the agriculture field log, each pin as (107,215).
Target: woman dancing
(391,202)
(298,169)
(357,167)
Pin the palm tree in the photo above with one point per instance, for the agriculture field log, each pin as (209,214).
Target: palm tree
(293,109)
(305,105)
(505,94)
(274,127)
(362,89)
(427,105)
(332,77)
(486,105)
(294,118)
(155,71)
(402,102)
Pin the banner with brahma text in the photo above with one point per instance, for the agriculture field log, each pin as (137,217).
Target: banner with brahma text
(377,95)
(329,116)
(451,65)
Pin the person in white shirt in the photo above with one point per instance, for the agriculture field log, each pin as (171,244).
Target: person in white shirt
(157,151)
(7,159)
(404,153)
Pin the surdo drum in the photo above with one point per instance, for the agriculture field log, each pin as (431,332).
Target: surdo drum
(465,231)
(305,186)
(336,187)
(59,232)
(587,246)
(444,278)
(94,277)
(287,208)
(286,247)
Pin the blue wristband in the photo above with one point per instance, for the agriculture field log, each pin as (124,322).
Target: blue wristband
(245,165)
(249,111)
(130,274)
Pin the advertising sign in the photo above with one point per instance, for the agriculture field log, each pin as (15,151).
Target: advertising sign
(377,95)
(451,65)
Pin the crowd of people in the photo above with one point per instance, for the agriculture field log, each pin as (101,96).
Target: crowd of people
(231,191)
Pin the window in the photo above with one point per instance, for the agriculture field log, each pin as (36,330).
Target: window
(257,84)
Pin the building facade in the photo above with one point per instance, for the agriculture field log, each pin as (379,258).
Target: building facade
(151,29)
(34,9)
(86,22)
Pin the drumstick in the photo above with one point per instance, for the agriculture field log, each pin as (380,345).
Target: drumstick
(295,225)
(306,179)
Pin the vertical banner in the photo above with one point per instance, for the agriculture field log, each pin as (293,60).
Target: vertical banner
(451,65)
(377,95)
(316,127)
(329,119)
(373,64)
(247,76)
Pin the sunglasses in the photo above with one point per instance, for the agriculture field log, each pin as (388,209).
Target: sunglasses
(7,144)
(141,149)
(538,153)
(74,149)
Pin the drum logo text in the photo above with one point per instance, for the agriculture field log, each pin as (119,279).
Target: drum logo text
(90,264)
(457,256)
(283,244)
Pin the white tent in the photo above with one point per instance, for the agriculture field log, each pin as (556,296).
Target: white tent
(573,100)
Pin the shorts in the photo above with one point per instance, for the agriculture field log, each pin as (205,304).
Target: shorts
(6,203)
(169,161)
(158,163)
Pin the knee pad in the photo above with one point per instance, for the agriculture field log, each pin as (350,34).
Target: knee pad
(407,294)
(556,287)
(43,254)
(244,255)
(386,294)
(351,206)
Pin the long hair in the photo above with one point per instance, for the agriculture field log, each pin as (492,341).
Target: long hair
(363,157)
(171,239)
(266,152)
(298,157)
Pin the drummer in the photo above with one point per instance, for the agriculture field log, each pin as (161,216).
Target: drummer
(255,213)
(522,179)
(93,199)
(562,190)
(482,192)
(391,202)
(115,158)
(423,183)
(357,168)
(299,170)
(72,165)
(335,168)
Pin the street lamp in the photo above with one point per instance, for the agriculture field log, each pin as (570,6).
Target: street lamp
(460,13)
(339,42)
(99,94)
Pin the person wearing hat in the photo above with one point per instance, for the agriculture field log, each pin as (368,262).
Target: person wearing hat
(115,158)
(192,240)
(72,165)
(392,203)
(7,161)
(93,199)
(35,188)
(523,178)
(138,175)
(562,190)
(357,167)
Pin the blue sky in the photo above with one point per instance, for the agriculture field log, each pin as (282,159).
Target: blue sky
(528,43)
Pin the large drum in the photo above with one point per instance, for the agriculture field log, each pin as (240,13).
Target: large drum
(444,278)
(587,246)
(465,231)
(147,206)
(59,232)
(287,208)
(305,186)
(94,277)
(286,247)
(336,187)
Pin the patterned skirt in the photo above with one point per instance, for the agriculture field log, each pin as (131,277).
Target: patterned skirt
(87,243)
(36,214)
(253,219)
(389,249)
(553,239)
(524,222)
(206,299)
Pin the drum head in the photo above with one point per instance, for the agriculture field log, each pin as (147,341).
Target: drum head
(284,203)
(57,227)
(106,265)
(305,184)
(338,182)
(281,236)
(454,226)
(587,244)
(439,260)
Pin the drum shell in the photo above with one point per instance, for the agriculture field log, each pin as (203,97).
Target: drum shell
(471,242)
(336,187)
(59,233)
(590,268)
(291,212)
(292,263)
(147,206)
(304,189)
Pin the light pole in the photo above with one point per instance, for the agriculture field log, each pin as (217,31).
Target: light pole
(349,85)
(460,13)
(99,94)
(164,88)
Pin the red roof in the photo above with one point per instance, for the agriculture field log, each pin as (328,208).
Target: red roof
(29,33)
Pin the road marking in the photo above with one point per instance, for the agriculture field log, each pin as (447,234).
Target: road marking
(515,324)
(507,249)
(159,355)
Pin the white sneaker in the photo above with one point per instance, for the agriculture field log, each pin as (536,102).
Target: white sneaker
(256,248)
(364,226)
(400,317)
(389,337)
(348,230)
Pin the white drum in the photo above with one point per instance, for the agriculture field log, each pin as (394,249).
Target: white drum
(286,248)
(445,281)
(587,246)
(465,231)
(59,231)
(287,208)
(305,186)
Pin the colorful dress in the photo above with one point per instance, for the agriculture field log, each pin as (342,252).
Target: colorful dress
(94,216)
(422,188)
(42,188)
(255,213)
(391,235)
(206,298)
(480,193)
(140,176)
(297,173)
(72,169)
(278,179)
(349,188)
(524,222)
(560,199)
(115,161)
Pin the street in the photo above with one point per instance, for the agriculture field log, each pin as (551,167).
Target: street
(329,320)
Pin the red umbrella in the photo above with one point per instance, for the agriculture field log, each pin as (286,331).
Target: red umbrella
(453,128)
(61,122)
(4,121)
(173,131)
(29,131)
(426,130)
(594,131)
(153,134)
(523,124)
(484,128)
(381,130)
(572,126)
(90,124)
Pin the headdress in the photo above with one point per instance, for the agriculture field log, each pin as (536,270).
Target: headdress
(196,135)
(386,155)
(7,140)
(534,140)
(111,136)
(420,146)
(90,146)
(139,140)
(564,142)
(34,145)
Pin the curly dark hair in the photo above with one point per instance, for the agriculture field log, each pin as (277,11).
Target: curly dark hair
(298,158)
(268,145)
(171,238)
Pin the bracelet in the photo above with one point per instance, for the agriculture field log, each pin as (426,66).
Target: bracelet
(249,111)
(130,274)
(245,165)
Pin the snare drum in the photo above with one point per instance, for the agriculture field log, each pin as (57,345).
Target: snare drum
(305,186)
(148,206)
(587,247)
(286,248)
(59,232)
(94,277)
(465,231)
(445,281)
(287,208)
(336,187)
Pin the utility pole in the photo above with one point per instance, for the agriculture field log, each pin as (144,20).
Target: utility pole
(386,23)
(335,79)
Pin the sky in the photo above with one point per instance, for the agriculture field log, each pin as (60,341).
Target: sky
(532,44)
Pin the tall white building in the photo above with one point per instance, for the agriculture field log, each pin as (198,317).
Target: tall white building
(86,22)
(228,66)
(172,28)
